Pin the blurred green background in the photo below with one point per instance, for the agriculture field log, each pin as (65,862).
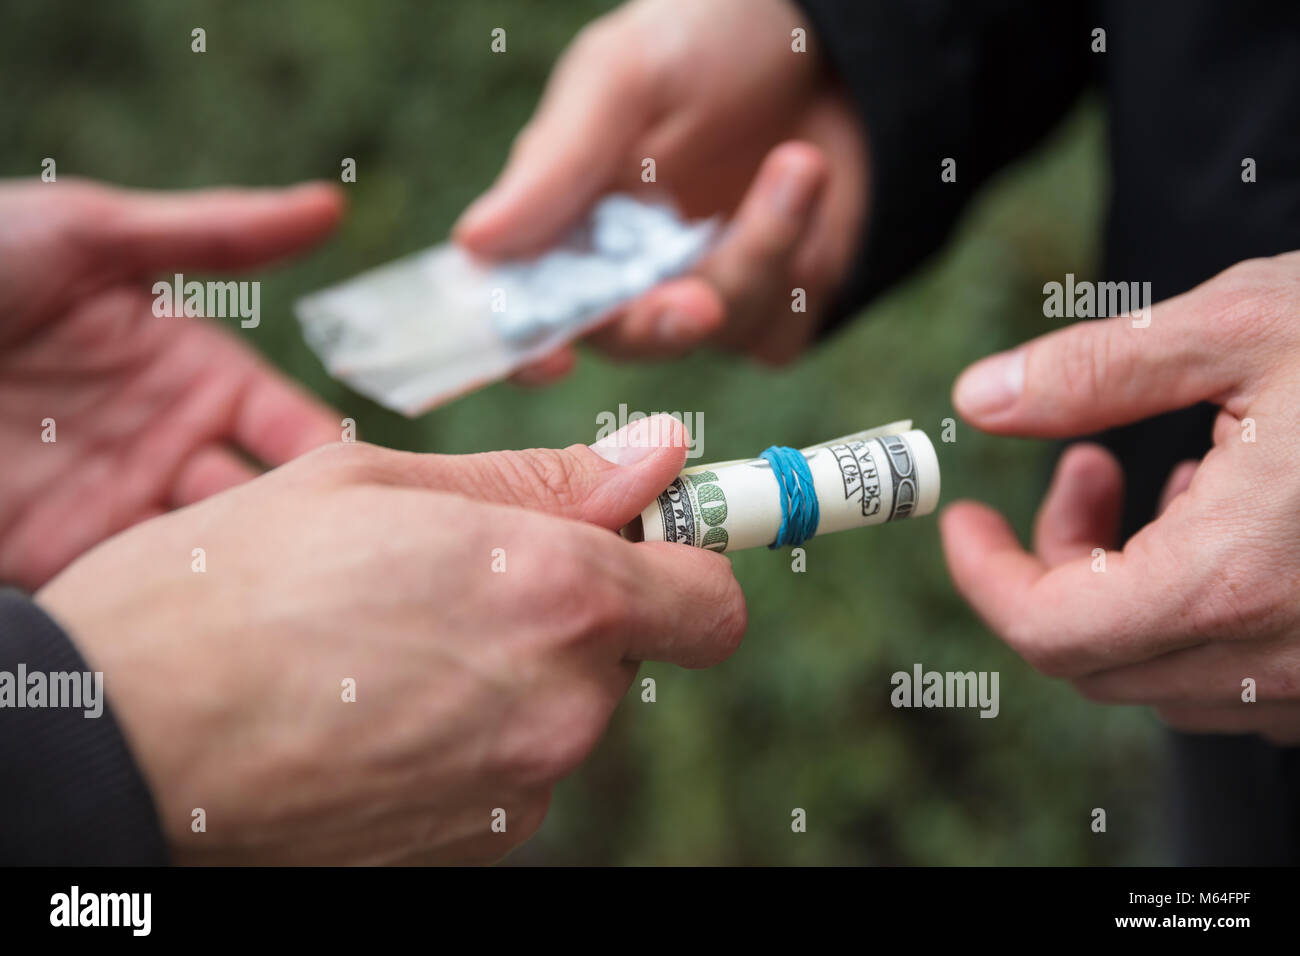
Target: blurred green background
(800,717)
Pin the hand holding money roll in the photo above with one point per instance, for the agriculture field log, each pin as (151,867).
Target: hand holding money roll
(786,496)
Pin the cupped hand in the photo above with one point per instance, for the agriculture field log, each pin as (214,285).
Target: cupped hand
(148,413)
(737,124)
(478,609)
(1198,615)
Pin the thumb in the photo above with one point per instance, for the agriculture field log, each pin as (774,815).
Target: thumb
(1100,373)
(567,155)
(606,484)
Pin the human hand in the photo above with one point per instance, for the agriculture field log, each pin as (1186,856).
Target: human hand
(149,412)
(1208,594)
(474,689)
(738,124)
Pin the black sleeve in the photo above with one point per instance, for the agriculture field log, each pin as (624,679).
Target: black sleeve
(70,792)
(980,81)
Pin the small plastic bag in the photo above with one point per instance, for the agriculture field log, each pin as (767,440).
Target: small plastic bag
(423,329)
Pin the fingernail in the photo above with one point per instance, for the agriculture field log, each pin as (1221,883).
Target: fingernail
(637,440)
(674,326)
(477,211)
(991,385)
(792,193)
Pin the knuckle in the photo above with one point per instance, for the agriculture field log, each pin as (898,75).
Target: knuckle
(605,606)
(1075,369)
(1247,275)
(1285,685)
(571,746)
(548,476)
(1251,297)
(768,244)
(550,572)
(527,762)
(549,747)
(1020,639)
(1234,603)
(588,603)
(602,46)
(733,621)
(345,460)
(718,628)
(1085,363)
(1049,658)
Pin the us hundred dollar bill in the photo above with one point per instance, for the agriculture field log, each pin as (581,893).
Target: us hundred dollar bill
(870,477)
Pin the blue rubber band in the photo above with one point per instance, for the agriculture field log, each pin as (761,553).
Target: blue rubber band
(800,513)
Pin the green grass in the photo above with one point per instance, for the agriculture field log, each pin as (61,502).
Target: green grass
(800,717)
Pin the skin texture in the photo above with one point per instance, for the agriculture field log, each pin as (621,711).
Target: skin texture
(151,413)
(1206,595)
(475,689)
(678,81)
(1201,599)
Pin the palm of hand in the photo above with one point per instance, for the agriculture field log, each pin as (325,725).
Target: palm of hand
(110,415)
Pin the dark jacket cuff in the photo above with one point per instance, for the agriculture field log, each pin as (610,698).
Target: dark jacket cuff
(71,793)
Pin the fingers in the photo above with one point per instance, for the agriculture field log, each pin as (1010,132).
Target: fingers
(1082,509)
(550,368)
(686,607)
(276,421)
(569,153)
(1213,674)
(1227,426)
(210,470)
(1073,619)
(742,287)
(752,266)
(745,284)
(987,564)
(607,484)
(1180,479)
(671,319)
(1097,374)
(214,228)
(1277,723)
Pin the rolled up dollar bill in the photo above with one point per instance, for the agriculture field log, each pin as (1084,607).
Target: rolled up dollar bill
(870,477)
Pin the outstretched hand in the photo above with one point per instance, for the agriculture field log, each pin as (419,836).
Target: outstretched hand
(1199,612)
(738,124)
(149,413)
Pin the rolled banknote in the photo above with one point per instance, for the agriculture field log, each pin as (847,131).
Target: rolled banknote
(413,333)
(870,477)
